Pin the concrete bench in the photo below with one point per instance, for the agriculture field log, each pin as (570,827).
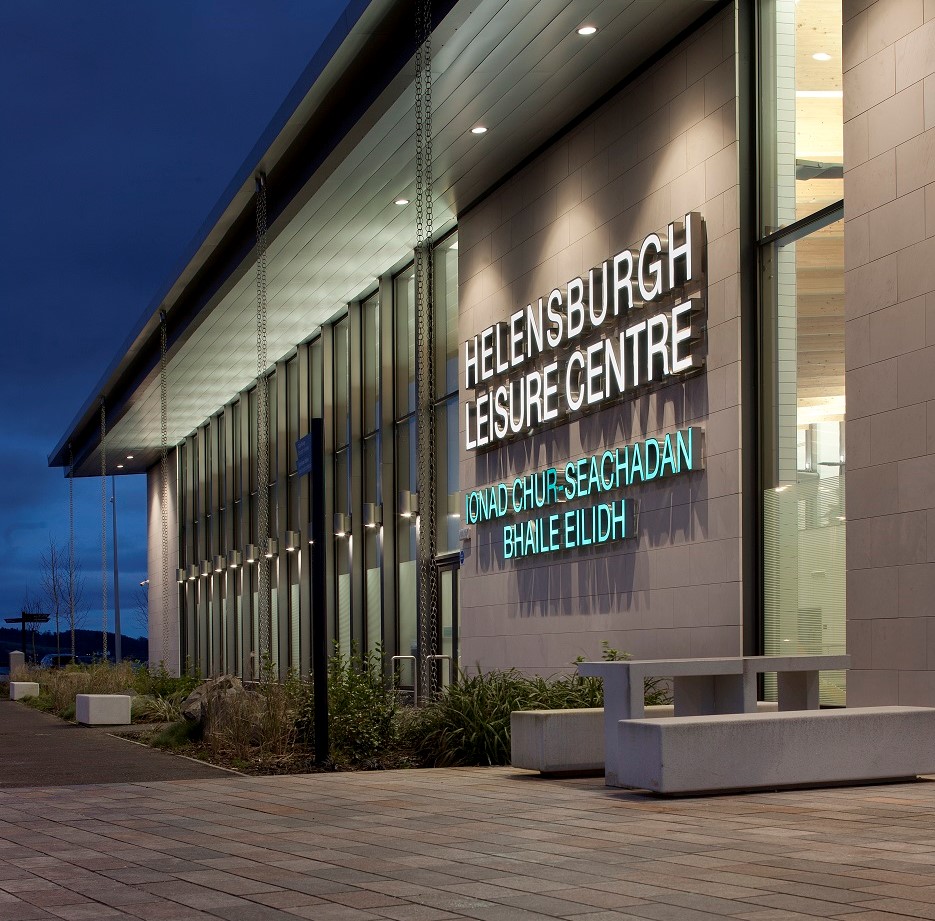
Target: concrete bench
(21,689)
(702,687)
(102,709)
(749,751)
(568,741)
(796,677)
(562,741)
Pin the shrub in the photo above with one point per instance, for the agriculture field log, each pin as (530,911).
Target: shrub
(255,724)
(470,722)
(177,735)
(361,710)
(150,708)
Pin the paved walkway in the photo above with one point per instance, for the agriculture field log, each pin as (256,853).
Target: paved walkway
(489,844)
(37,749)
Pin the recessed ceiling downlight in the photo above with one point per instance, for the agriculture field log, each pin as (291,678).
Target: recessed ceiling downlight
(587,30)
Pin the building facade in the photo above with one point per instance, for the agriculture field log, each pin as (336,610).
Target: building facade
(654,335)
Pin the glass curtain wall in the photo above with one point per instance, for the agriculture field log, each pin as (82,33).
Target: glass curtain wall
(404,302)
(802,291)
(370,450)
(371,414)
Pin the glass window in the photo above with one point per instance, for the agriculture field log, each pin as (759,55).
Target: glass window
(448,502)
(406,533)
(446,316)
(802,115)
(251,435)
(342,552)
(292,411)
(372,546)
(404,303)
(804,450)
(342,416)
(370,319)
(315,378)
(273,426)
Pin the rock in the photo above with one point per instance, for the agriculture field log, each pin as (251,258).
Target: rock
(211,692)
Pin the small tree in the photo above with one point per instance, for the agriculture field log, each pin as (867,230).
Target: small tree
(62,590)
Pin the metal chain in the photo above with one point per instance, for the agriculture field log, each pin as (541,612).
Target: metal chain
(104,527)
(71,547)
(425,356)
(164,478)
(262,441)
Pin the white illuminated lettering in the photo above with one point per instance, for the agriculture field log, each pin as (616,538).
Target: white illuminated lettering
(633,333)
(553,308)
(681,332)
(470,363)
(550,392)
(575,293)
(594,373)
(571,374)
(681,255)
(516,338)
(651,265)
(597,277)
(501,415)
(501,340)
(486,354)
(623,271)
(657,345)
(533,329)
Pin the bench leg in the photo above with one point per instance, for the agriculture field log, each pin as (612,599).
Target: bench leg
(621,702)
(797,690)
(705,695)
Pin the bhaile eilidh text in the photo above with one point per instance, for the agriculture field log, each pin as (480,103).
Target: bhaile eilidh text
(635,322)
(587,477)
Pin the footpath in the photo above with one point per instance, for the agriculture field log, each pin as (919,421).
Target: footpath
(39,750)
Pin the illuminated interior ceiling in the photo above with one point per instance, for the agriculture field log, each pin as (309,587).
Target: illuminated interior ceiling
(519,67)
(820,256)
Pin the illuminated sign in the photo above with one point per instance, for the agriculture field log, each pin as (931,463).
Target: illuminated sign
(635,323)
(589,477)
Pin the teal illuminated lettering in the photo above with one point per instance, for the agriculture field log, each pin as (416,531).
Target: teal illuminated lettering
(651,470)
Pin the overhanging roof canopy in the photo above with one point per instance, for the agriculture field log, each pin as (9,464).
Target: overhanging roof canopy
(339,153)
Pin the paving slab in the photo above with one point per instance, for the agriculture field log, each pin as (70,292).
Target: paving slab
(37,749)
(490,844)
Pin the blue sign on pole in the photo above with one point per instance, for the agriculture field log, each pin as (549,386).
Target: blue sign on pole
(303,451)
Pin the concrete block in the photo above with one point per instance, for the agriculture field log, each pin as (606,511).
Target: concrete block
(17,660)
(746,751)
(102,709)
(563,741)
(21,689)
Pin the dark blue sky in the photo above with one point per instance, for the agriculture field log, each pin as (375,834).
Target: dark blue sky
(120,126)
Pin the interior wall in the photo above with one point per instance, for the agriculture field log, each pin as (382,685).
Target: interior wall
(664,146)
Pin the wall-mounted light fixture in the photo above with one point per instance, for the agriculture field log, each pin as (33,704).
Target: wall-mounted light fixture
(192,572)
(408,504)
(292,541)
(180,576)
(206,568)
(234,559)
(342,524)
(251,554)
(220,563)
(373,515)
(310,530)
(272,548)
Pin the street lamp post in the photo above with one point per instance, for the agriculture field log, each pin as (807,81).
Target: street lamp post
(117,632)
